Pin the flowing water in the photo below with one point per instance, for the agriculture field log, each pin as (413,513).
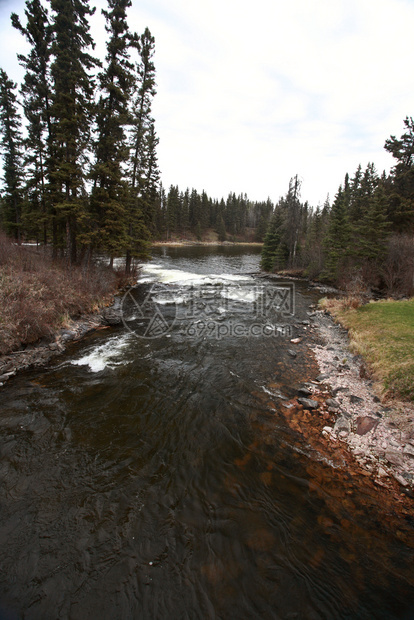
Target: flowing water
(145,474)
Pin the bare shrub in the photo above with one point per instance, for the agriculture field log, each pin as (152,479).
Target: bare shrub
(357,292)
(398,267)
(36,293)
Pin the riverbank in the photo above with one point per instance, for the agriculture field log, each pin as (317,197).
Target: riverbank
(41,353)
(206,243)
(343,414)
(44,304)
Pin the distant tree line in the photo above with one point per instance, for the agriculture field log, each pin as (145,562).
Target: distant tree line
(365,238)
(184,213)
(83,176)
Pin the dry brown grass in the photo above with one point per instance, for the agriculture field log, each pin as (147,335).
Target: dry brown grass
(36,295)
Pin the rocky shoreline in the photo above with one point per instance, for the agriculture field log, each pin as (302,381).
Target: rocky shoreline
(378,435)
(40,354)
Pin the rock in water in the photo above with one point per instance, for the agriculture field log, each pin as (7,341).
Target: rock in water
(308,403)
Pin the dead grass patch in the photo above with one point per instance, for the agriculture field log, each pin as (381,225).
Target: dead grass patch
(38,296)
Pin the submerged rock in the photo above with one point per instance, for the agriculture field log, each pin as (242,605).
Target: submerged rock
(308,403)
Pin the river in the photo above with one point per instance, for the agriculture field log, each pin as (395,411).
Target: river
(145,475)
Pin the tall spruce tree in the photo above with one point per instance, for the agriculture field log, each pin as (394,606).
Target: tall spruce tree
(71,113)
(11,143)
(36,104)
(150,178)
(337,238)
(110,190)
(275,251)
(141,214)
(401,182)
(293,209)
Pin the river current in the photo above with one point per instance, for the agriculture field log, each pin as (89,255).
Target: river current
(145,476)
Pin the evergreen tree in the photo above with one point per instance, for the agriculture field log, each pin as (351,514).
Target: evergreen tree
(140,213)
(150,178)
(194,209)
(275,251)
(110,191)
(314,246)
(71,113)
(375,229)
(12,157)
(37,99)
(173,209)
(401,182)
(337,238)
(293,209)
(221,229)
(265,211)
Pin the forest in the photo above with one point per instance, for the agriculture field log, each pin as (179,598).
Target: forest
(81,177)
(364,240)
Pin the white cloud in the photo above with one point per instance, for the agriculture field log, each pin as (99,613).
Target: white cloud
(251,94)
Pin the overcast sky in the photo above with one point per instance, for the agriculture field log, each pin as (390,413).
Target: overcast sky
(250,94)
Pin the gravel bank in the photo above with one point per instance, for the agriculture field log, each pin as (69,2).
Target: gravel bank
(379,435)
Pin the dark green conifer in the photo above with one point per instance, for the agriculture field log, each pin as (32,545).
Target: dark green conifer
(140,208)
(337,238)
(11,142)
(71,112)
(400,188)
(275,251)
(36,104)
(109,199)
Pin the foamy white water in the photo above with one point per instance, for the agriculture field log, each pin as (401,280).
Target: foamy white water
(154,272)
(105,355)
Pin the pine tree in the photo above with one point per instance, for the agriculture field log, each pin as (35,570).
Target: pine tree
(221,229)
(139,213)
(401,182)
(265,211)
(150,178)
(314,247)
(337,238)
(173,207)
(194,209)
(11,143)
(275,251)
(293,209)
(110,190)
(37,99)
(71,113)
